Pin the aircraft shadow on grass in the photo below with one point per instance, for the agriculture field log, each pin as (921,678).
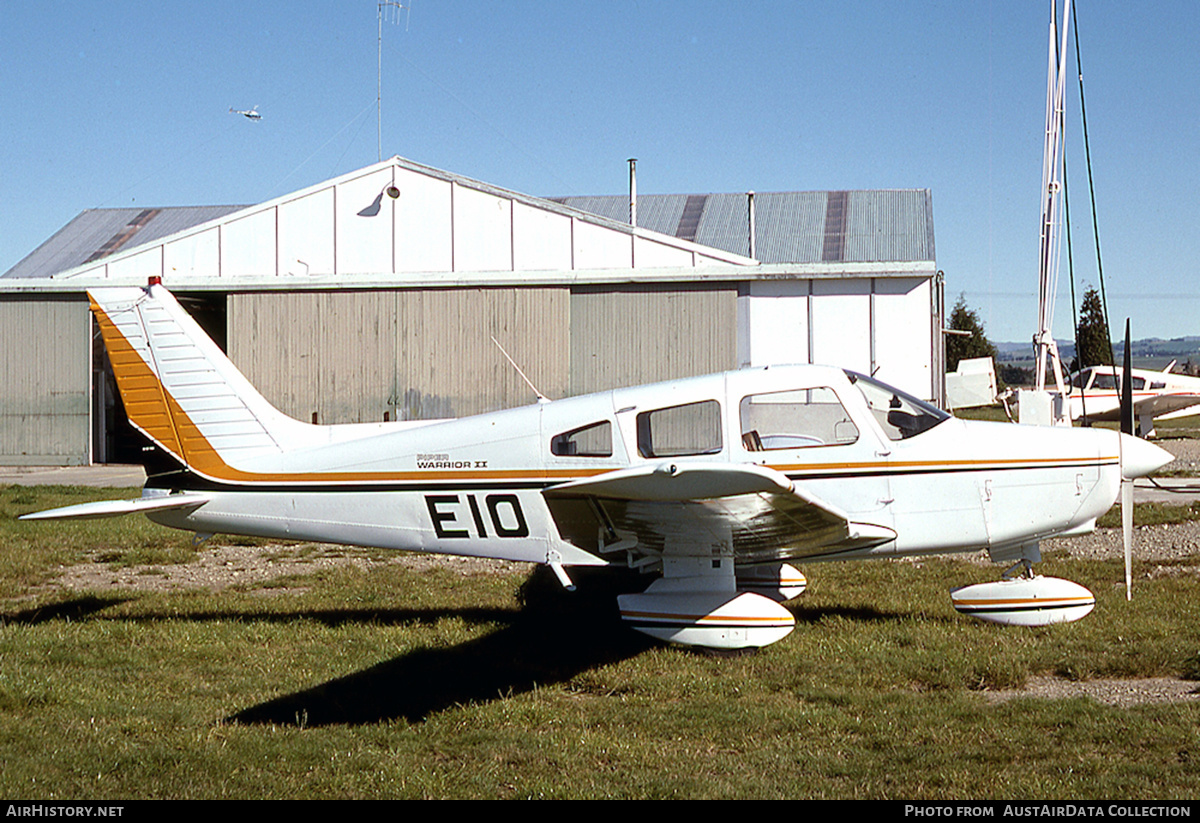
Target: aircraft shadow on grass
(554,637)
(76,609)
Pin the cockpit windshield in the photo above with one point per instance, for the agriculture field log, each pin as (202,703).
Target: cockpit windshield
(900,415)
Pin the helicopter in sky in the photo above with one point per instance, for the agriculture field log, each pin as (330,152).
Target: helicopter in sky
(249,114)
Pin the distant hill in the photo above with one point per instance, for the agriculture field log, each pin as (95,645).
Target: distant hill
(1177,348)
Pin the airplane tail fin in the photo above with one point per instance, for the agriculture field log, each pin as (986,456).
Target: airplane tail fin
(180,389)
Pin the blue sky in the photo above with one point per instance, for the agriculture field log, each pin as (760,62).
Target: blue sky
(118,104)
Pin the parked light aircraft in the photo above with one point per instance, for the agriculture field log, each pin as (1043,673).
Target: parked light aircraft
(249,114)
(1095,393)
(715,483)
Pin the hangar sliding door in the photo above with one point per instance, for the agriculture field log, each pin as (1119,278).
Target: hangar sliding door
(643,333)
(44,414)
(404,354)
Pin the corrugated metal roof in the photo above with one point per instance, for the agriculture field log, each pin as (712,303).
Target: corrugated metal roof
(875,226)
(96,233)
(872,226)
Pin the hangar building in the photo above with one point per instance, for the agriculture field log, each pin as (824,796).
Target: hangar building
(377,295)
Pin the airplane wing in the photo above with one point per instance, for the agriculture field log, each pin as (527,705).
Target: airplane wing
(1159,405)
(1165,404)
(694,508)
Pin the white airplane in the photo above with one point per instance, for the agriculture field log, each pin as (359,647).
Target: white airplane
(714,483)
(1094,393)
(249,114)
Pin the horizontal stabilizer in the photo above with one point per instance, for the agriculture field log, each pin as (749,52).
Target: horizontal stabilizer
(116,508)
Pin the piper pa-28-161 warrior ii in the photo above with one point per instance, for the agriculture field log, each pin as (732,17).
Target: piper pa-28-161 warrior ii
(715,483)
(1095,396)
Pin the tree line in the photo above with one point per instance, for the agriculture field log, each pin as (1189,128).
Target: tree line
(1092,342)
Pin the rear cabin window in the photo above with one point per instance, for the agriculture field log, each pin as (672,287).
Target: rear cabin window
(677,431)
(795,420)
(588,441)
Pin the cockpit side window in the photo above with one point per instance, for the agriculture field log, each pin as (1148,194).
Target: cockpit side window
(900,415)
(678,431)
(795,420)
(594,440)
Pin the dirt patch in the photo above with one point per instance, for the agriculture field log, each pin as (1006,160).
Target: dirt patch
(223,567)
(1121,693)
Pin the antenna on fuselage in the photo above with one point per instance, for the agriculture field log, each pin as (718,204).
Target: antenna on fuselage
(540,397)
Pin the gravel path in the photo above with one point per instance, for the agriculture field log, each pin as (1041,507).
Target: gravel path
(222,567)
(1163,546)
(1187,454)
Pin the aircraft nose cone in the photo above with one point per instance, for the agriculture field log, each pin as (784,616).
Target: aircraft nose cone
(1139,458)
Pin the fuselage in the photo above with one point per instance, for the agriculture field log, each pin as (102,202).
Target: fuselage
(473,486)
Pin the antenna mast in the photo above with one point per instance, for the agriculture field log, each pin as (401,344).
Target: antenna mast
(1051,201)
(396,7)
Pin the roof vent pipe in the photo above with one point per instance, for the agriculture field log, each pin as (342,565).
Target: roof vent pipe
(750,210)
(633,191)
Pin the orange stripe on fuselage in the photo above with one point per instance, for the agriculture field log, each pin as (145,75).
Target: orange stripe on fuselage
(1031,462)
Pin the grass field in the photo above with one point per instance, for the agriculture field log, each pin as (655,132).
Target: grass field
(396,682)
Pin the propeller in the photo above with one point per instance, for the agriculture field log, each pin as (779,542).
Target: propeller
(1127,483)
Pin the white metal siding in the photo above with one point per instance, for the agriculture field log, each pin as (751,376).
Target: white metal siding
(774,323)
(190,256)
(424,240)
(306,234)
(362,231)
(840,318)
(482,231)
(248,246)
(541,240)
(903,334)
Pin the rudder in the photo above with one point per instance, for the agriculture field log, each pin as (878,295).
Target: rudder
(179,388)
